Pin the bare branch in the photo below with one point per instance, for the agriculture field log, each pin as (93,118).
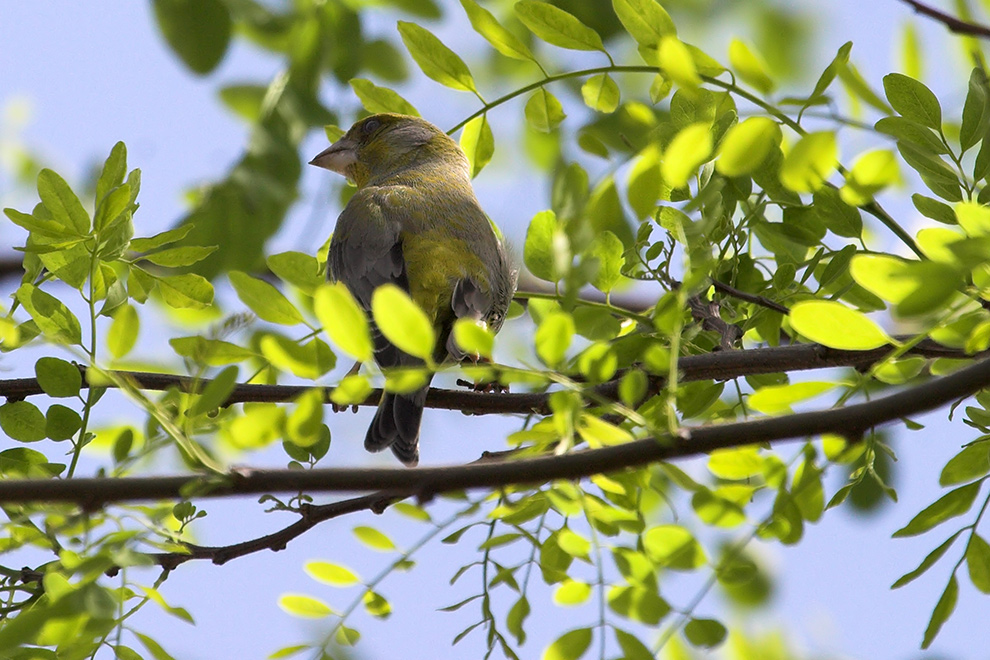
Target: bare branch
(720,365)
(424,483)
(954,24)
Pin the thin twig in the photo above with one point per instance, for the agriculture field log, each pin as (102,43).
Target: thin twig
(954,24)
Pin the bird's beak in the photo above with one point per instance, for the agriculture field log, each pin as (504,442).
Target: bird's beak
(339,157)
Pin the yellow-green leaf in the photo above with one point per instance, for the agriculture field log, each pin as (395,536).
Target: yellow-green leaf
(689,149)
(810,162)
(834,325)
(343,320)
(435,59)
(746,145)
(556,26)
(403,322)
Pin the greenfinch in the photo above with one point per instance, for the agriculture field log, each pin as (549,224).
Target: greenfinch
(414,222)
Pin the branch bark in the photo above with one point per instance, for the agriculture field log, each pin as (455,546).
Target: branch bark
(954,24)
(424,483)
(720,365)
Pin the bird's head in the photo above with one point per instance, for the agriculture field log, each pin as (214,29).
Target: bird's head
(384,144)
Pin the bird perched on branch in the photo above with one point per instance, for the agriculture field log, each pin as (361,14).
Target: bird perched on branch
(414,222)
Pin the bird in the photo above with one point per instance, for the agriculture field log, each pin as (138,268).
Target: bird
(414,222)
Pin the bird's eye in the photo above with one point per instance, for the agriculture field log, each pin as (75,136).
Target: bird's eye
(370,126)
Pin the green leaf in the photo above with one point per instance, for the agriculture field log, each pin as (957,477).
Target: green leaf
(377,99)
(62,203)
(916,287)
(646,21)
(775,399)
(571,592)
(715,510)
(545,241)
(833,68)
(52,316)
(485,24)
(310,360)
(954,503)
(601,93)
(212,352)
(926,563)
(61,422)
(374,539)
(305,607)
(557,27)
(736,464)
(810,162)
(973,462)
(871,173)
(750,66)
(516,617)
(188,290)
(42,226)
(304,426)
(158,240)
(376,605)
(840,218)
(478,143)
(639,603)
(403,322)
(179,257)
(934,209)
(943,610)
(473,339)
(913,100)
(834,325)
(706,633)
(264,300)
(112,174)
(644,185)
(677,63)
(543,111)
(343,320)
(934,171)
(691,147)
(553,338)
(197,30)
(569,646)
(216,391)
(632,648)
(978,563)
(332,574)
(245,101)
(608,250)
(746,146)
(674,547)
(906,130)
(298,269)
(154,648)
(435,59)
(123,332)
(259,426)
(57,377)
(22,421)
(351,390)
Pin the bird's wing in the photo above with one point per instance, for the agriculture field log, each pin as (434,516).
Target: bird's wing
(365,253)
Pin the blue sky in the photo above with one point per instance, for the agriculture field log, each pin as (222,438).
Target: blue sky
(95,72)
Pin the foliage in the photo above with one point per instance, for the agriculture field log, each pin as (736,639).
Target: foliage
(684,183)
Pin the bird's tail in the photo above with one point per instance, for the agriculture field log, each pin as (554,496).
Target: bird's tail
(396,425)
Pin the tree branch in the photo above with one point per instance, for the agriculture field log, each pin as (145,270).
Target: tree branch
(311,516)
(424,483)
(954,24)
(720,365)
